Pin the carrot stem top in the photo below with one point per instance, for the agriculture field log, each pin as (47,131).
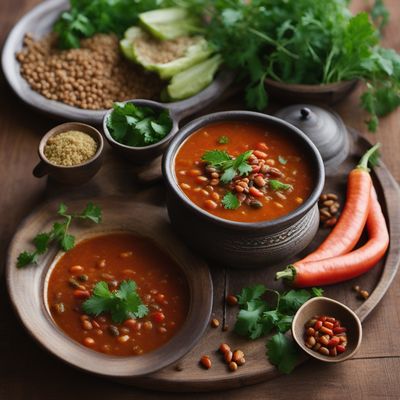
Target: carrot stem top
(370,157)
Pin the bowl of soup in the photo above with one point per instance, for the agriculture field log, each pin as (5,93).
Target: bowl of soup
(243,187)
(127,300)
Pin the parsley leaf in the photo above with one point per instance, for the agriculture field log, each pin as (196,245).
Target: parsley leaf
(380,14)
(223,140)
(230,201)
(282,352)
(58,233)
(25,258)
(122,304)
(258,318)
(41,242)
(277,185)
(250,294)
(138,126)
(216,158)
(282,160)
(231,167)
(92,212)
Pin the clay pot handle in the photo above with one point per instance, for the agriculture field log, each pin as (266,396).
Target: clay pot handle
(40,170)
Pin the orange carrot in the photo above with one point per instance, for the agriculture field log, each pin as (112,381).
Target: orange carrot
(348,266)
(348,229)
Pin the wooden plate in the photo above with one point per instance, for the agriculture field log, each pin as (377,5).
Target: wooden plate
(27,287)
(116,177)
(39,21)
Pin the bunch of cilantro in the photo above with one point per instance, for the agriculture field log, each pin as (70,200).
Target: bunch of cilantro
(258,318)
(138,126)
(84,18)
(304,42)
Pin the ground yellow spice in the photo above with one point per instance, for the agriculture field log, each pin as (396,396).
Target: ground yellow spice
(70,148)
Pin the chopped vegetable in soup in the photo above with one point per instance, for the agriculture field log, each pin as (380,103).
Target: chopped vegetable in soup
(118,294)
(243,171)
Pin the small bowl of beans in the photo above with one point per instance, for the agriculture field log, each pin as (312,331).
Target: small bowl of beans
(327,330)
(70,153)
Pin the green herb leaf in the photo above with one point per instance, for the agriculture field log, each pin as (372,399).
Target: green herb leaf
(282,352)
(251,293)
(26,258)
(122,304)
(62,209)
(58,233)
(230,201)
(231,167)
(291,301)
(380,14)
(138,126)
(67,242)
(92,212)
(277,185)
(216,158)
(282,160)
(41,242)
(223,140)
(317,292)
(248,321)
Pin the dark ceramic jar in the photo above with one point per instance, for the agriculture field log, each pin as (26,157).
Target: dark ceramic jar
(239,244)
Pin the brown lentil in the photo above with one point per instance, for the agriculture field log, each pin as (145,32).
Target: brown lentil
(90,77)
(328,209)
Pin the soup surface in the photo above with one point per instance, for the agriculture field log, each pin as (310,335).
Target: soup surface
(243,171)
(114,258)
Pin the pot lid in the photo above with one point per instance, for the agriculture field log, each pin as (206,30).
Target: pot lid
(324,127)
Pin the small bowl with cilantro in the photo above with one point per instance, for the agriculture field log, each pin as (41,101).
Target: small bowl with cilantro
(140,130)
(242,187)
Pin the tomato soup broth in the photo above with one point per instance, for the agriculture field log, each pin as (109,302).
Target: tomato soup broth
(114,258)
(280,178)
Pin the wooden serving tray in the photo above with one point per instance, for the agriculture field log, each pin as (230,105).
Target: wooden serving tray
(118,178)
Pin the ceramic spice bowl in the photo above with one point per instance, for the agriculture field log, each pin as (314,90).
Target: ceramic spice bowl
(328,307)
(243,244)
(75,174)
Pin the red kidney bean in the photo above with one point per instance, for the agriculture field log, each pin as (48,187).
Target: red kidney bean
(81,294)
(255,192)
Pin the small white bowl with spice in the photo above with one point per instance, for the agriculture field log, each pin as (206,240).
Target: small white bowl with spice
(70,153)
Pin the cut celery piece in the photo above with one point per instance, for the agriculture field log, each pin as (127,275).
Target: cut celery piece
(191,81)
(169,23)
(196,52)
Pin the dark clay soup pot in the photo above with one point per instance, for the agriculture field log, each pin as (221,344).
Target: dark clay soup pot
(244,244)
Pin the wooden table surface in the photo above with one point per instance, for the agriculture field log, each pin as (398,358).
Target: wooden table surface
(29,372)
